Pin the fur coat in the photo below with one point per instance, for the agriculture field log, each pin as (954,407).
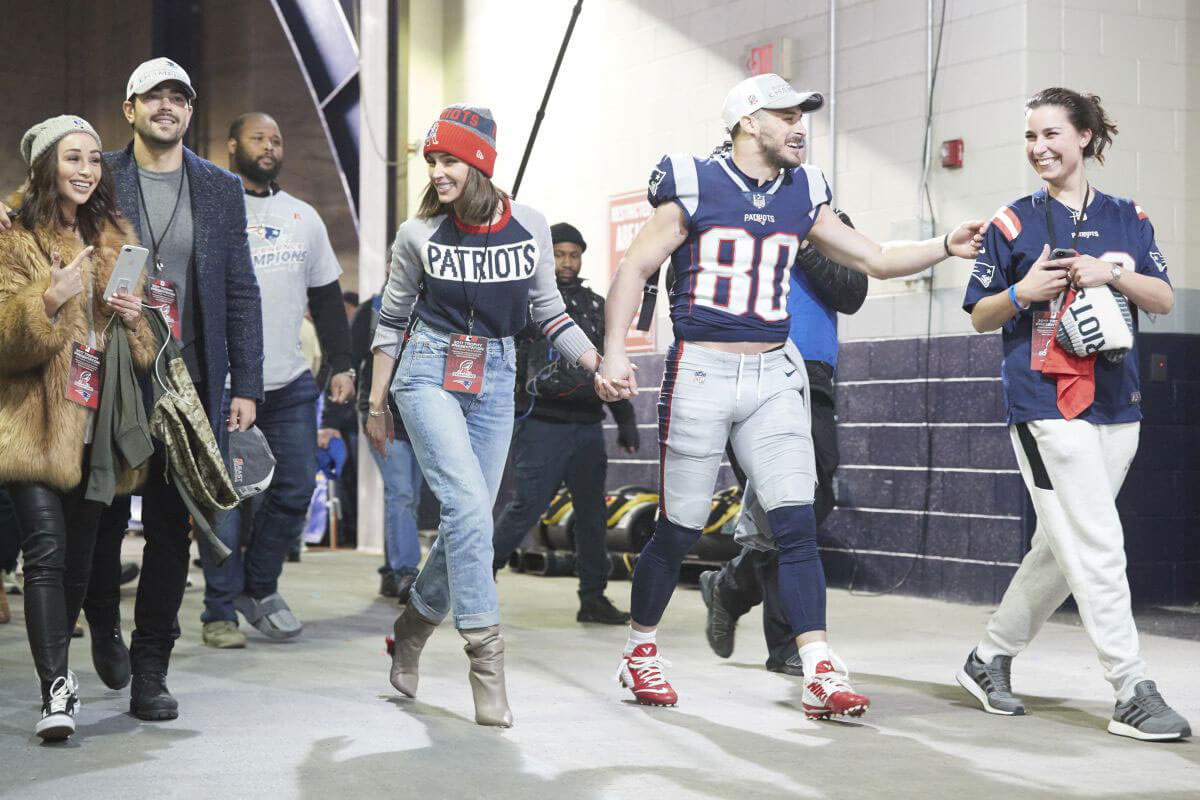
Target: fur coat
(41,431)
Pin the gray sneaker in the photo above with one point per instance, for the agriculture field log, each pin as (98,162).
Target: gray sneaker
(270,615)
(991,685)
(719,627)
(1147,716)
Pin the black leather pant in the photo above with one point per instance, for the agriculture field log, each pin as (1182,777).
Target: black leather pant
(58,532)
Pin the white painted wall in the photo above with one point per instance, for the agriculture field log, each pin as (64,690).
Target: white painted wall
(644,77)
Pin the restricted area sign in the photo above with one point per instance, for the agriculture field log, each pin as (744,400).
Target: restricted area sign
(627,213)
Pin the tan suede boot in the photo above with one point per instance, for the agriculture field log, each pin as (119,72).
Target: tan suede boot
(411,632)
(485,648)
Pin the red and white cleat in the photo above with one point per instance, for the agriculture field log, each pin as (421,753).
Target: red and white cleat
(641,672)
(829,693)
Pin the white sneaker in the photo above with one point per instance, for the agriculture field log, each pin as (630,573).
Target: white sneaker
(59,710)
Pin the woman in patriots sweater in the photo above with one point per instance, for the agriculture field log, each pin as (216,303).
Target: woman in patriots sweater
(1073,420)
(466,270)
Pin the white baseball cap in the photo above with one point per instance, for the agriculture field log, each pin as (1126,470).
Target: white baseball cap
(155,71)
(765,91)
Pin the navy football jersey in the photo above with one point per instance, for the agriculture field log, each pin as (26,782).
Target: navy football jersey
(1113,229)
(731,273)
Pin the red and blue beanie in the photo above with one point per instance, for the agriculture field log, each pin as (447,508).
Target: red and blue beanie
(466,132)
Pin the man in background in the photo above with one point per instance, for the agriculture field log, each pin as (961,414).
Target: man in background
(296,269)
(820,289)
(559,437)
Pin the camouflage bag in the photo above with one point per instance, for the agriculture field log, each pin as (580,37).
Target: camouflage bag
(194,465)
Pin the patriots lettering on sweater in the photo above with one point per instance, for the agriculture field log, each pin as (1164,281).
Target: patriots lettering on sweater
(732,272)
(481,264)
(442,271)
(1114,229)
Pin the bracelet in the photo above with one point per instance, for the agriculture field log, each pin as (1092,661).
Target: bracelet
(946,245)
(1012,295)
(371,413)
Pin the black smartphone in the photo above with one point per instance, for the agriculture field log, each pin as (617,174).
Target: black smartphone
(1062,252)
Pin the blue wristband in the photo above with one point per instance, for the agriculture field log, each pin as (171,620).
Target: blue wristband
(1012,295)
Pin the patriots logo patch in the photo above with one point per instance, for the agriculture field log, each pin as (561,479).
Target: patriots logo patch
(656,178)
(1158,260)
(984,273)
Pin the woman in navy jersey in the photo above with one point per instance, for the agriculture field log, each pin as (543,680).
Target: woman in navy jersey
(1073,421)
(466,272)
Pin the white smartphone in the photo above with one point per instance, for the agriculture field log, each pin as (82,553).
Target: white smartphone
(127,272)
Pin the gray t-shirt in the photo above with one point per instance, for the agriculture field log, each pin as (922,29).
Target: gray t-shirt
(174,236)
(292,254)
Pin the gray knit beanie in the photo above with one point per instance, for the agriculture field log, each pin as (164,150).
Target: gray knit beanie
(46,134)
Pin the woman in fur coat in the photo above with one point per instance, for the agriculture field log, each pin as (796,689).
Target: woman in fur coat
(64,214)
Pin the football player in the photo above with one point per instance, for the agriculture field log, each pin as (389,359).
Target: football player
(732,226)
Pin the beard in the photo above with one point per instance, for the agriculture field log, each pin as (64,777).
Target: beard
(249,167)
(147,130)
(777,154)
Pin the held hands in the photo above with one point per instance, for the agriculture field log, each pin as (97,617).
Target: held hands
(381,429)
(341,388)
(966,240)
(1045,280)
(65,282)
(242,412)
(616,379)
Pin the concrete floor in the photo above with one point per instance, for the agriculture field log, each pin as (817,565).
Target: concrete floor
(317,718)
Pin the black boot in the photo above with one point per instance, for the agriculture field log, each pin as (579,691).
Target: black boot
(149,698)
(110,656)
(598,608)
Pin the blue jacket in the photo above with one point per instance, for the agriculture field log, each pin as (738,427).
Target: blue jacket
(227,297)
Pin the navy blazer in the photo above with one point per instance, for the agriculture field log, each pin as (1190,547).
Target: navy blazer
(227,297)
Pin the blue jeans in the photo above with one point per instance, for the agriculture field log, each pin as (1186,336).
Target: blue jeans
(288,418)
(401,496)
(544,455)
(461,441)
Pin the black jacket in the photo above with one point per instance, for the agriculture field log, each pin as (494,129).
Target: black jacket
(587,309)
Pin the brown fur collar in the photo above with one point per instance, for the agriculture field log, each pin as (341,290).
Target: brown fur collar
(41,432)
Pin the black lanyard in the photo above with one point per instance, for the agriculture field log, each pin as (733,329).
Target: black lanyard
(1078,221)
(470,301)
(154,243)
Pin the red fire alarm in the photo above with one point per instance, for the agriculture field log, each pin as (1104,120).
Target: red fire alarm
(952,153)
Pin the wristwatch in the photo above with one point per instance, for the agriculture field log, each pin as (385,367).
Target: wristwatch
(1116,273)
